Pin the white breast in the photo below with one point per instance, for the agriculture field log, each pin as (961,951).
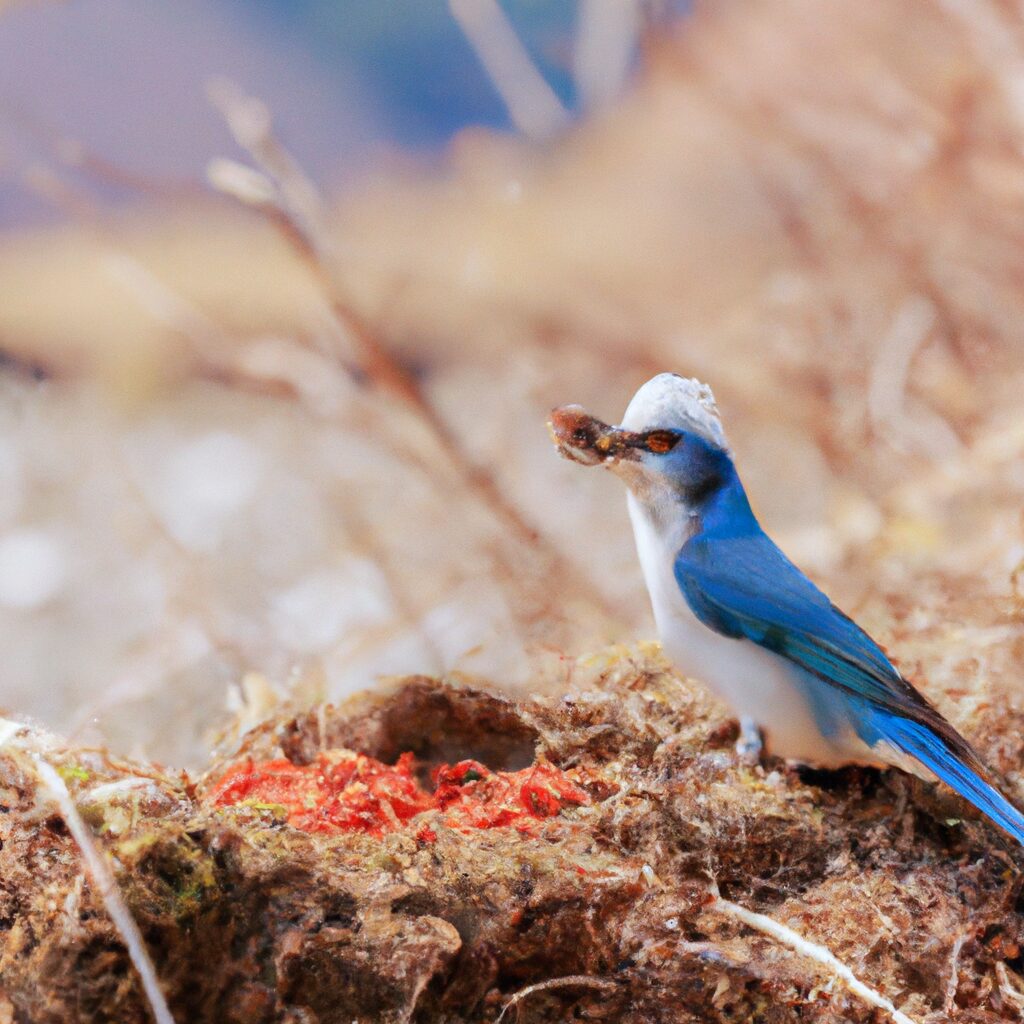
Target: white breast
(752,680)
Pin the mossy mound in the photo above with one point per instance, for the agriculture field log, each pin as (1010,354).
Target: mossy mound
(610,907)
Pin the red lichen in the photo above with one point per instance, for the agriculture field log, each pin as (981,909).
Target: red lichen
(342,791)
(472,796)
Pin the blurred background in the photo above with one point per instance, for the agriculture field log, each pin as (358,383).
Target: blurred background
(287,290)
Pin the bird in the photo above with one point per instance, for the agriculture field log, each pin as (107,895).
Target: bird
(733,611)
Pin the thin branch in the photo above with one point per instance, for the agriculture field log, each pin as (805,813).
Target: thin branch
(302,228)
(954,974)
(532,104)
(992,37)
(763,123)
(1009,991)
(107,888)
(580,980)
(74,155)
(887,388)
(281,191)
(165,306)
(604,49)
(250,121)
(796,942)
(208,341)
(170,309)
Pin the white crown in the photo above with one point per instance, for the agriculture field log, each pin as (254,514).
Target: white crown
(674,402)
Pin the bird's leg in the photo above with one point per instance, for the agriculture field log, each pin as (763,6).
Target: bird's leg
(750,744)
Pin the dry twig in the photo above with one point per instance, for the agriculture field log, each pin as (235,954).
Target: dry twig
(532,104)
(954,974)
(1010,992)
(300,225)
(584,980)
(887,388)
(785,935)
(107,888)
(605,44)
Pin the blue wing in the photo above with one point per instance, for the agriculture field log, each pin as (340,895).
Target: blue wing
(745,587)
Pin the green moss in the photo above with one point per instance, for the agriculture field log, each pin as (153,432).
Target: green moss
(189,900)
(166,873)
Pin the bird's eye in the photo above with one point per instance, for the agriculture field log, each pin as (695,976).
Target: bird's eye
(661,441)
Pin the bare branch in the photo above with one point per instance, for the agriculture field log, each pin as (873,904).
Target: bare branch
(107,888)
(164,305)
(76,156)
(241,181)
(532,104)
(606,40)
(785,935)
(954,974)
(581,980)
(305,231)
(887,390)
(250,122)
(1010,992)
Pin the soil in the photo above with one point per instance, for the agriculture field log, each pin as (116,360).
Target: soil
(604,901)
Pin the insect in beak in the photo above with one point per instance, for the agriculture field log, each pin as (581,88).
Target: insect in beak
(583,438)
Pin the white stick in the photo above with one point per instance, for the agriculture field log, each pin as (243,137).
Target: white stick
(532,104)
(107,888)
(812,951)
(582,980)
(606,39)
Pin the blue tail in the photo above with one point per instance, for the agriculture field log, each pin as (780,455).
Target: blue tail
(959,769)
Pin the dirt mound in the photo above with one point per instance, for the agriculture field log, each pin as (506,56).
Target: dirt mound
(672,885)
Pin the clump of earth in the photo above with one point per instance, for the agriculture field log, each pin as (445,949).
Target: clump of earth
(439,853)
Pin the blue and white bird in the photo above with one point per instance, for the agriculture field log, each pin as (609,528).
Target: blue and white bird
(733,611)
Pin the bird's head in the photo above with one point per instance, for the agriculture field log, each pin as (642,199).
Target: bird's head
(670,447)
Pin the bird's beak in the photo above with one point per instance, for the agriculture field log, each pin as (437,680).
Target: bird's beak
(585,439)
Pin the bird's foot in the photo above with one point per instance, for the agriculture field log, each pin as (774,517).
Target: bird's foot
(750,745)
